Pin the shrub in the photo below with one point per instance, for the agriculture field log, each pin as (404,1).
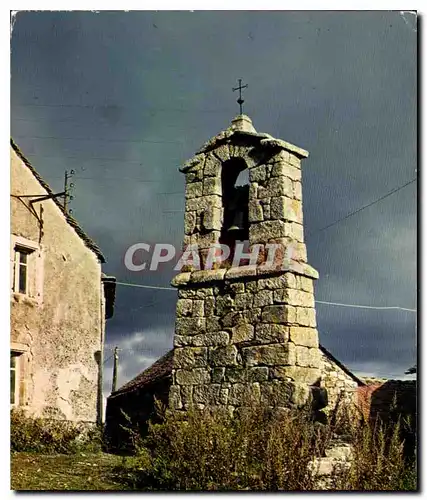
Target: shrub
(51,436)
(256,449)
(379,462)
(261,449)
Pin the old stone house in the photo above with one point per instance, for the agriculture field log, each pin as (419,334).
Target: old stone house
(242,332)
(59,302)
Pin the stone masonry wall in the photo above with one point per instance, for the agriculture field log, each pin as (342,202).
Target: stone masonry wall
(275,194)
(337,382)
(246,333)
(245,339)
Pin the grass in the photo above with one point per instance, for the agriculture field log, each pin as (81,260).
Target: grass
(59,472)
(256,449)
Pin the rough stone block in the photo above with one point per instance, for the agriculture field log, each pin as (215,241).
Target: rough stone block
(218,375)
(196,175)
(253,191)
(193,190)
(263,298)
(304,375)
(252,315)
(210,339)
(251,286)
(202,293)
(184,307)
(295,160)
(307,356)
(224,304)
(262,232)
(244,394)
(297,251)
(212,167)
(268,334)
(294,231)
(297,190)
(286,280)
(211,394)
(306,284)
(186,293)
(189,326)
(213,324)
(242,333)
(286,169)
(281,155)
(235,374)
(266,209)
(269,355)
(300,394)
(306,316)
(257,374)
(304,336)
(277,186)
(243,301)
(206,240)
(212,186)
(282,314)
(255,211)
(223,356)
(199,204)
(189,222)
(208,275)
(237,287)
(209,306)
(212,219)
(192,377)
(276,393)
(284,208)
(180,280)
(231,319)
(240,272)
(222,152)
(190,357)
(175,397)
(258,174)
(294,297)
(198,308)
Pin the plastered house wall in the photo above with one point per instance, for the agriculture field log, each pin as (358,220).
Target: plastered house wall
(58,330)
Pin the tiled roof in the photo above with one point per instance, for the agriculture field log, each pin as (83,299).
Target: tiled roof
(70,220)
(162,368)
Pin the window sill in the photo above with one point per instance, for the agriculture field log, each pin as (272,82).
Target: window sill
(21,298)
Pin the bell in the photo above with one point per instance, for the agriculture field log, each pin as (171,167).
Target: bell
(238,221)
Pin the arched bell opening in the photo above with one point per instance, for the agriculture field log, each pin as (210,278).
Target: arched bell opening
(235,202)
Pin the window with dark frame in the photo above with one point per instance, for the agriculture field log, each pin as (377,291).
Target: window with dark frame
(21,270)
(13,378)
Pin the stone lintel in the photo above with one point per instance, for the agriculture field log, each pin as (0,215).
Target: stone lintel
(247,273)
(278,143)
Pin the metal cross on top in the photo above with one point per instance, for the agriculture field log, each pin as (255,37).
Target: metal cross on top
(240,101)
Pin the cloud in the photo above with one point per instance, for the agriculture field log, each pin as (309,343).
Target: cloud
(139,101)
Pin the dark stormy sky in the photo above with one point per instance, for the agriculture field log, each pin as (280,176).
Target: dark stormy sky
(124,98)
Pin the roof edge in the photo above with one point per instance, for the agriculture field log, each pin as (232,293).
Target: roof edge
(70,220)
(343,367)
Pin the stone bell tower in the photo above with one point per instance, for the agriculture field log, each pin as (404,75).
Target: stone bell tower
(245,332)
